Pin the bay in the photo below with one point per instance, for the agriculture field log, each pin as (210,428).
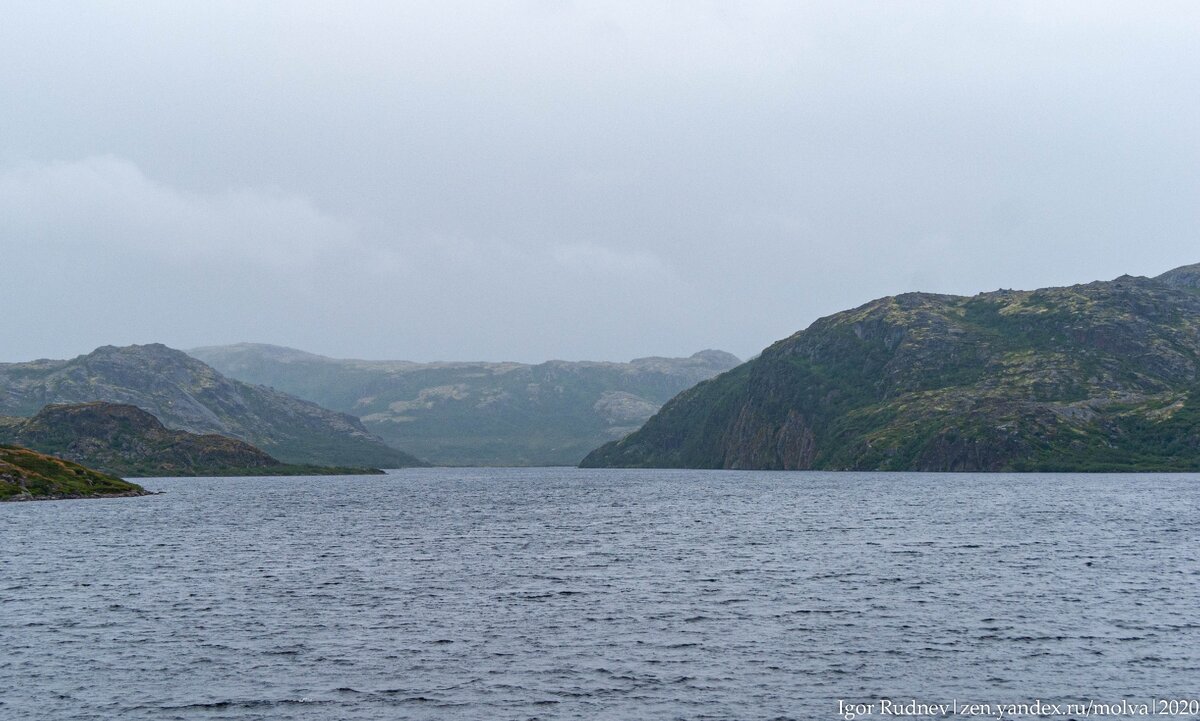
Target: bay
(561,593)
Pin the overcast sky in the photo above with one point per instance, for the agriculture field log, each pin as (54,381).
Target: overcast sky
(535,179)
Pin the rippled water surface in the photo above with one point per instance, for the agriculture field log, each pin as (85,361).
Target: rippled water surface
(572,594)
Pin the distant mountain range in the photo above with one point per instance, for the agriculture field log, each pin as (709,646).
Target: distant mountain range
(478,413)
(124,440)
(185,394)
(1102,376)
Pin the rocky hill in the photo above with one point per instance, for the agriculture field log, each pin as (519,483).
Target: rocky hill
(478,413)
(185,394)
(1102,376)
(124,440)
(27,475)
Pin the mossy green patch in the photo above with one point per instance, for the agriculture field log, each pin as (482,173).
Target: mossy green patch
(26,474)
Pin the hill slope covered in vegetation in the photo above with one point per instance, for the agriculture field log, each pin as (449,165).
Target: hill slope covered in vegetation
(124,440)
(1101,376)
(29,475)
(185,394)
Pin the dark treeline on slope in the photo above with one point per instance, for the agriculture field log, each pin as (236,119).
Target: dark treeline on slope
(1101,376)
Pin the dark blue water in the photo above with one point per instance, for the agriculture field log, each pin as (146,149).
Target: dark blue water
(570,594)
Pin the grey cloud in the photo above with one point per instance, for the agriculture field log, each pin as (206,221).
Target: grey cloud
(576,179)
(105,202)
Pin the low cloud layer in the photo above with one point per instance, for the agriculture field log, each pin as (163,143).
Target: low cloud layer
(107,205)
(117,257)
(526,179)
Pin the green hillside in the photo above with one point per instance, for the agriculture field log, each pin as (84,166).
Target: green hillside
(126,441)
(1102,376)
(29,475)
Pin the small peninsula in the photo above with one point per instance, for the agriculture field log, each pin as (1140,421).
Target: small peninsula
(27,475)
(125,440)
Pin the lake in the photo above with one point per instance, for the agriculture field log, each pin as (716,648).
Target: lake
(599,594)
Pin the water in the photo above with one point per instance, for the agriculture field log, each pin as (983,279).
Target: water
(570,594)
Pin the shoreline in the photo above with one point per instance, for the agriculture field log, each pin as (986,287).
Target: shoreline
(25,498)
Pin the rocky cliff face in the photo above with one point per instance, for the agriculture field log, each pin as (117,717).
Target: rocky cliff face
(479,413)
(1090,377)
(185,394)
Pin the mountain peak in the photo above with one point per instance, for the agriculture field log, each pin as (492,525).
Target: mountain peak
(717,357)
(1185,276)
(263,350)
(149,355)
(97,412)
(134,349)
